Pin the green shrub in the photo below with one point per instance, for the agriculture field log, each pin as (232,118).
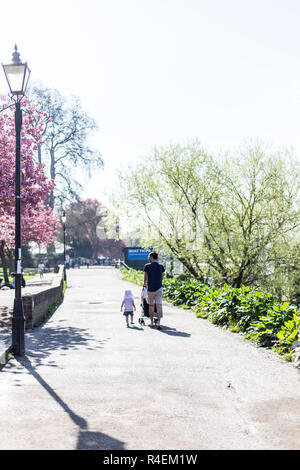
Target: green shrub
(132,275)
(266,328)
(183,292)
(258,315)
(290,332)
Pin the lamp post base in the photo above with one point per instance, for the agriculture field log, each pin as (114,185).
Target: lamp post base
(18,329)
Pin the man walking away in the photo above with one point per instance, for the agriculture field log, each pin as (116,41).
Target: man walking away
(153,276)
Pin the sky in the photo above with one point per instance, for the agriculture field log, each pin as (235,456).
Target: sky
(152,72)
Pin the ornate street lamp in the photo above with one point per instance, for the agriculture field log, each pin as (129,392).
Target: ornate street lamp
(64,219)
(17,76)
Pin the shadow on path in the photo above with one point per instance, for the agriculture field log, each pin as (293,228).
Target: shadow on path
(173,332)
(164,329)
(60,338)
(86,440)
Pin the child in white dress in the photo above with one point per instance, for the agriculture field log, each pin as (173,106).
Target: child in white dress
(129,306)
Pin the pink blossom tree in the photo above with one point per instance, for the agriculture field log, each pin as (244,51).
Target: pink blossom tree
(38,223)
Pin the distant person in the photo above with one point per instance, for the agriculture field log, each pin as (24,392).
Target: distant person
(153,277)
(129,306)
(41,268)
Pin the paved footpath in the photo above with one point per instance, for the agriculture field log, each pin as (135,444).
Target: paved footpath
(88,382)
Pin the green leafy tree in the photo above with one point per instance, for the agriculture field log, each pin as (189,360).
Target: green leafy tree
(224,217)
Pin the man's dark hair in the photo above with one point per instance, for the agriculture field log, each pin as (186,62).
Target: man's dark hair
(154,255)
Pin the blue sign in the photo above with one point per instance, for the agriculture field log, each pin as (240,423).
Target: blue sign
(138,254)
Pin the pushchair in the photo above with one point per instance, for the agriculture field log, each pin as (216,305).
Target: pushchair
(145,308)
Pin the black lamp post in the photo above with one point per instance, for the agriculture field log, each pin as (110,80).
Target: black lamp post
(17,76)
(64,219)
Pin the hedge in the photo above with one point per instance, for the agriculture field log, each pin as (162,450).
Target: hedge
(259,316)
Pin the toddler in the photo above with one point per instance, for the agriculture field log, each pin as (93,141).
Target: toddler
(129,306)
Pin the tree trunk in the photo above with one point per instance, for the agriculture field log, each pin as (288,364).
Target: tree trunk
(40,154)
(52,175)
(190,268)
(11,261)
(3,261)
(51,199)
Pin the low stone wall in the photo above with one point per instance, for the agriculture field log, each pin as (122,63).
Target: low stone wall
(36,306)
